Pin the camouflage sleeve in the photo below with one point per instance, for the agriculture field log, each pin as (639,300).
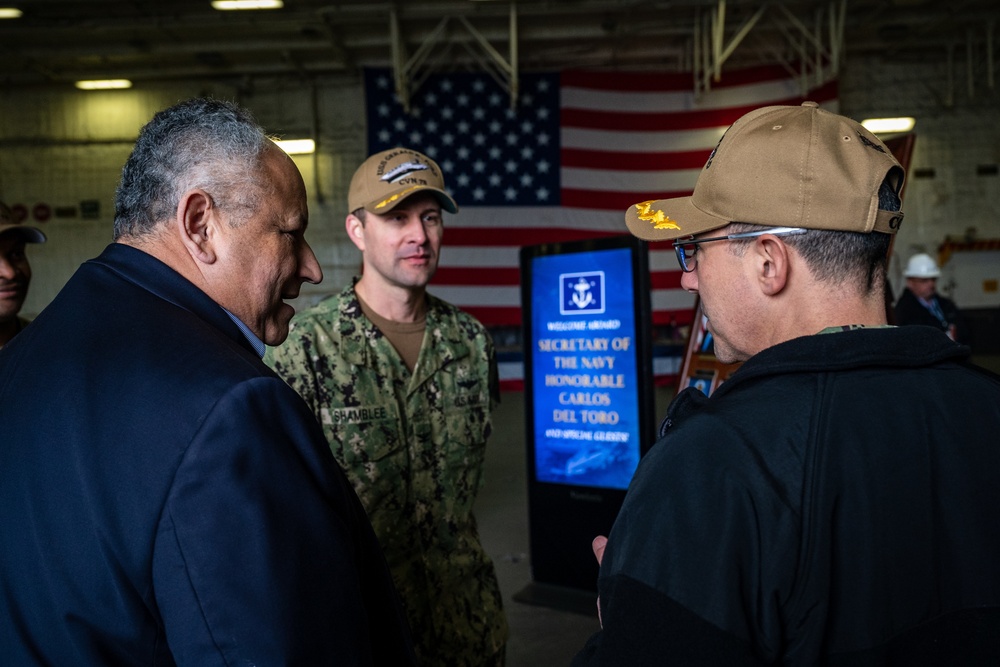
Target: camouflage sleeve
(494,375)
(290,361)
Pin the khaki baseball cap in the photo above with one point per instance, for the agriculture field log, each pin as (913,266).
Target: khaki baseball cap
(782,166)
(387,178)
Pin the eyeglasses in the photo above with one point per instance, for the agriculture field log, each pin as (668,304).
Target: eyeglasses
(686,248)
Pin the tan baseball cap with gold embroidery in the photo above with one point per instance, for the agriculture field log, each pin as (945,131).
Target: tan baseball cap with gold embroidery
(782,166)
(387,178)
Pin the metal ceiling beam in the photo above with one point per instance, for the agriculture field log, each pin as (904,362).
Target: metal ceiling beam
(989,54)
(60,39)
(711,50)
(409,73)
(717,51)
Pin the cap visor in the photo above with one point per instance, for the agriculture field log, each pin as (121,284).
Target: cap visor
(666,219)
(395,198)
(30,234)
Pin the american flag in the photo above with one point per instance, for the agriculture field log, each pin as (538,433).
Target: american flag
(578,149)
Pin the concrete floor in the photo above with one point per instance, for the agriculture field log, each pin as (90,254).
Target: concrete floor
(539,635)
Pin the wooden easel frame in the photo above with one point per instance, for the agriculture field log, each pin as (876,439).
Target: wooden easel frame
(700,367)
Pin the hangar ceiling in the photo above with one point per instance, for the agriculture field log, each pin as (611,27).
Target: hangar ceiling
(56,42)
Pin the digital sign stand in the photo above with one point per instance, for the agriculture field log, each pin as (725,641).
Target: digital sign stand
(589,398)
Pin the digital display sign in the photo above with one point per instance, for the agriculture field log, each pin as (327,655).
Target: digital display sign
(587,357)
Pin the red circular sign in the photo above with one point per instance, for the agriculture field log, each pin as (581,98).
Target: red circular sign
(20,212)
(41,212)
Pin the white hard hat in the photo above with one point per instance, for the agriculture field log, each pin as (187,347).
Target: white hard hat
(922,266)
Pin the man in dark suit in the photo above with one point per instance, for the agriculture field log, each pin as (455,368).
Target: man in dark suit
(164,497)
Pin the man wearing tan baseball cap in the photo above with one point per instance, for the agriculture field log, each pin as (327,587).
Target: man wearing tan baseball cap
(15,272)
(830,503)
(404,385)
(385,179)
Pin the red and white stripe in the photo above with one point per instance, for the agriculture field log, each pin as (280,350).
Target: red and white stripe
(625,137)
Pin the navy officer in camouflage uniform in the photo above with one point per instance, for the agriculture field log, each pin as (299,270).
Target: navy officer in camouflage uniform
(404,384)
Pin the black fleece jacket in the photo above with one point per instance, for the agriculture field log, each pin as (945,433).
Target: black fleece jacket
(833,503)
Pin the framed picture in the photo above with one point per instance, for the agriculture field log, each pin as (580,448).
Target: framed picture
(703,380)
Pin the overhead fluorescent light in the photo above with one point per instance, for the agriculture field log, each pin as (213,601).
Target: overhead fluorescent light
(888,125)
(104,84)
(297,146)
(225,5)
(10,13)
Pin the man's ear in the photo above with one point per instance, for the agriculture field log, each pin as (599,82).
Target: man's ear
(355,231)
(196,219)
(772,262)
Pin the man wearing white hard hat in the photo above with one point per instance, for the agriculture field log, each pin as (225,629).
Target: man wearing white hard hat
(921,304)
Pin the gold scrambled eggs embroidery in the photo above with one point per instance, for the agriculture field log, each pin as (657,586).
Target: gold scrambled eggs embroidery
(386,202)
(658,218)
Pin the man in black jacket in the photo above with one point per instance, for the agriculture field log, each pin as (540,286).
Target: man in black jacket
(832,503)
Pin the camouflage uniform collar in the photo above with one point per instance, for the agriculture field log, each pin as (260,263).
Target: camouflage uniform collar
(852,327)
(358,335)
(356,331)
(440,346)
